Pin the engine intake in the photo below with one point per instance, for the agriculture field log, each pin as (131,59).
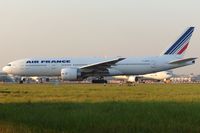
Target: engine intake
(71,74)
(132,79)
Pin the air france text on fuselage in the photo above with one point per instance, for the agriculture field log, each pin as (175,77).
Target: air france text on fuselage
(46,61)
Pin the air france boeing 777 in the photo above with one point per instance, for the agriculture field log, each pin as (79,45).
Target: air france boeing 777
(73,69)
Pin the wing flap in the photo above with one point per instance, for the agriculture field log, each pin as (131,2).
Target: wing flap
(102,65)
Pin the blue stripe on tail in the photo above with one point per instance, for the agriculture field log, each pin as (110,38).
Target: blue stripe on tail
(181,41)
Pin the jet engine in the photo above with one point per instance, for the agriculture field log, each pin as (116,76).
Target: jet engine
(71,74)
(132,79)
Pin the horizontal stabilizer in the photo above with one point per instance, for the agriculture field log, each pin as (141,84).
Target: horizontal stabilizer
(182,61)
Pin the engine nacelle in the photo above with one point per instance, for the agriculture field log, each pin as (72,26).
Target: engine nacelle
(71,74)
(132,79)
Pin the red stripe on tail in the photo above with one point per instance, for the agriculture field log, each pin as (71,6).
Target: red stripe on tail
(183,49)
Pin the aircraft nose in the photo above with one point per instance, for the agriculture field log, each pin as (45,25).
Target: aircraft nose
(6,69)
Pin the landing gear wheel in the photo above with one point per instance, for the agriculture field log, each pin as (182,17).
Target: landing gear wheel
(99,81)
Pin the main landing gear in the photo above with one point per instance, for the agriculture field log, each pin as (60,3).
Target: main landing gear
(100,80)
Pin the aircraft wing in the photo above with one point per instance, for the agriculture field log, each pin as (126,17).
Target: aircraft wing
(104,65)
(182,61)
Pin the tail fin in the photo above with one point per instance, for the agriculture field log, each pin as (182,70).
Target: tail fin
(180,46)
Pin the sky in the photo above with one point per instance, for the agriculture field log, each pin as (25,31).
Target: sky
(106,28)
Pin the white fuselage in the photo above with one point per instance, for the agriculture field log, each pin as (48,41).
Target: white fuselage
(158,75)
(161,76)
(128,66)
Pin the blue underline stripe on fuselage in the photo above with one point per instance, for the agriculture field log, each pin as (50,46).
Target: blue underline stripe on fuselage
(178,41)
(181,43)
(134,64)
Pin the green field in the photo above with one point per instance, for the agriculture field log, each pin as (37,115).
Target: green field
(85,108)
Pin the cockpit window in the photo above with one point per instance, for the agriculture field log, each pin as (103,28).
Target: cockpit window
(9,65)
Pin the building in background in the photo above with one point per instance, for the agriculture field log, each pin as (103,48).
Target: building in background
(6,78)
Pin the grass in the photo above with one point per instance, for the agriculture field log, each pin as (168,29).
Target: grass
(10,93)
(101,109)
